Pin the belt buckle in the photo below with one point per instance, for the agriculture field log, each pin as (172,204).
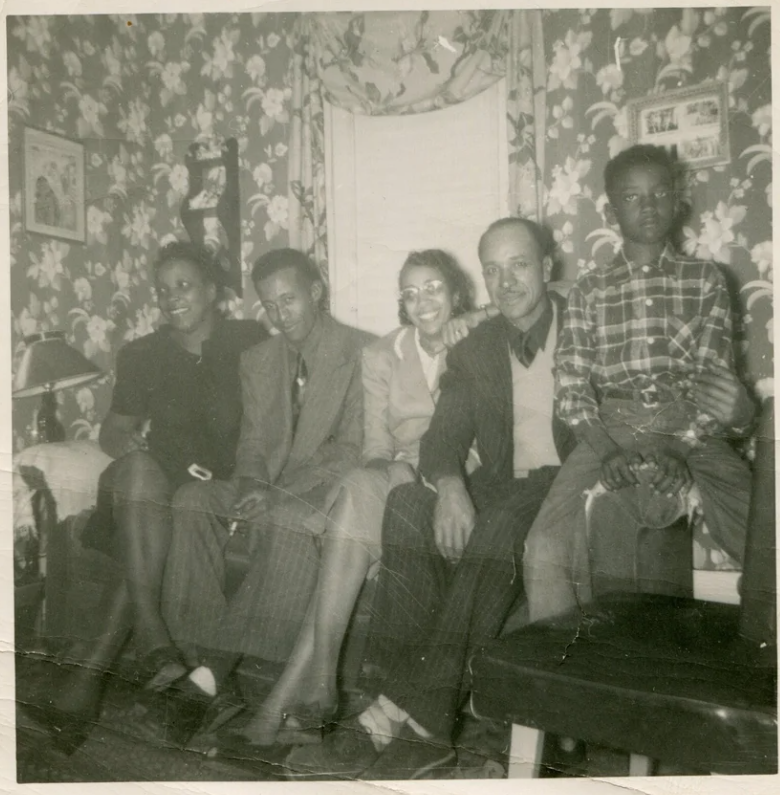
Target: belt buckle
(199,472)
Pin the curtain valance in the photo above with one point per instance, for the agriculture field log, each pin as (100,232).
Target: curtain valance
(396,63)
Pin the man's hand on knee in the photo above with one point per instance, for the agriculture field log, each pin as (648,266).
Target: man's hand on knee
(253,499)
(453,518)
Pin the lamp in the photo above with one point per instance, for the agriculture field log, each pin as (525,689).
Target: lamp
(49,364)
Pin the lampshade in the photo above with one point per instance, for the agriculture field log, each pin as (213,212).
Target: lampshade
(49,363)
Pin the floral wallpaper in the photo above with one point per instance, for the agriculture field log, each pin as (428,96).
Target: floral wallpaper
(660,50)
(137,91)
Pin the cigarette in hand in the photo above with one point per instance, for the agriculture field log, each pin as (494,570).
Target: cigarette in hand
(232,527)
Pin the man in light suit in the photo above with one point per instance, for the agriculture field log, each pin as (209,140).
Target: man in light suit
(301,431)
(452,554)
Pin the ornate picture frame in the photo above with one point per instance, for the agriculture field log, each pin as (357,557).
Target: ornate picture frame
(54,185)
(692,122)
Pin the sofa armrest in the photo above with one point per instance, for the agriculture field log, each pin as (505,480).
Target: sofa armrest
(69,470)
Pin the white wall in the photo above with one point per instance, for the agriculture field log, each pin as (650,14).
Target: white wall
(398,183)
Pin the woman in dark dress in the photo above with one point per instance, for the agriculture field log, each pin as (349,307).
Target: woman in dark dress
(175,414)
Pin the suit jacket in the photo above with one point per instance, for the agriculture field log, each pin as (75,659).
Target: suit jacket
(476,404)
(329,435)
(398,404)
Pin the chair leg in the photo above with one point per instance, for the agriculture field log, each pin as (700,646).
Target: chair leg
(639,765)
(525,752)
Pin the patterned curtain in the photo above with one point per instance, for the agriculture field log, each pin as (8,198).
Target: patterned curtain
(308,228)
(526,110)
(396,63)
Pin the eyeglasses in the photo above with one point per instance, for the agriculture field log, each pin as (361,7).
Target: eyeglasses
(431,288)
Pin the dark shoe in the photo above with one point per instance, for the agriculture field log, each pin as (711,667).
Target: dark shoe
(267,762)
(180,711)
(67,730)
(344,754)
(410,757)
(304,724)
(227,705)
(161,668)
(311,716)
(234,744)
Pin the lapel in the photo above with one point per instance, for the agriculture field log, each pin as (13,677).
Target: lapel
(327,385)
(494,388)
(267,380)
(410,372)
(283,362)
(275,359)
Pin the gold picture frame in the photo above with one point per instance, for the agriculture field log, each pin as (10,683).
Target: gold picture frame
(692,122)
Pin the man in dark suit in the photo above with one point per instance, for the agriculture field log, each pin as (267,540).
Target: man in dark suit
(301,430)
(452,546)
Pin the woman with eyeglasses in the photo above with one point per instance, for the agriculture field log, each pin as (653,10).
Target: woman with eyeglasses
(400,381)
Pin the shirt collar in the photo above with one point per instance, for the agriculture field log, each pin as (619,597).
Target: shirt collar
(667,263)
(217,330)
(534,339)
(422,351)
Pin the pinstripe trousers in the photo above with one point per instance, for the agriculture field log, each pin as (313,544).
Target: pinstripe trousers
(431,615)
(264,616)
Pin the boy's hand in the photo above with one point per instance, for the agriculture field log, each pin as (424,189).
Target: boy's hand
(672,473)
(723,396)
(617,469)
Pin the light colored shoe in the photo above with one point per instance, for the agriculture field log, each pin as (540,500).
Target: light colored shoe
(344,754)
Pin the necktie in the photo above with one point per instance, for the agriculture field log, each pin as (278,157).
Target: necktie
(517,342)
(298,389)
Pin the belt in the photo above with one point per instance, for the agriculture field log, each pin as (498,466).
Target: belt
(524,474)
(646,398)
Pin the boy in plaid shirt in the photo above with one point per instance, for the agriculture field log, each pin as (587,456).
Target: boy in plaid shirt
(644,378)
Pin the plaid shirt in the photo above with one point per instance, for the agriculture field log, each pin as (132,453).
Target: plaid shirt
(642,333)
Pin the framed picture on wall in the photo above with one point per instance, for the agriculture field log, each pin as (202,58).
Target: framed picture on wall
(692,122)
(54,190)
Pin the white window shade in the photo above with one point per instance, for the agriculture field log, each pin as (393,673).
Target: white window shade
(399,183)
